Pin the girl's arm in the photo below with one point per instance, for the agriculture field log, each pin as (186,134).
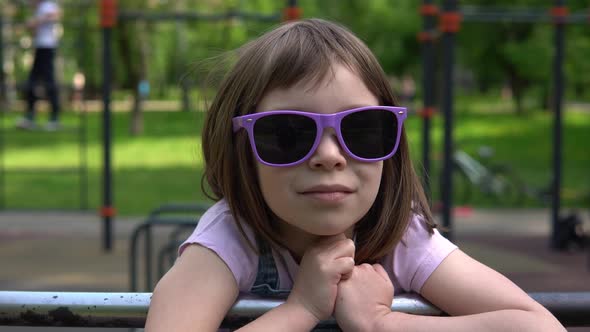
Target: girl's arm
(194,295)
(477,297)
(199,290)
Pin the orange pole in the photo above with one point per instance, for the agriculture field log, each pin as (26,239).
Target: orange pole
(108,13)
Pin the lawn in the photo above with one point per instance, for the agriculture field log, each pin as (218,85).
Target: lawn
(41,169)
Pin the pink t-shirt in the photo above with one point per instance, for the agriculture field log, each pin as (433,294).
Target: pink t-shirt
(409,264)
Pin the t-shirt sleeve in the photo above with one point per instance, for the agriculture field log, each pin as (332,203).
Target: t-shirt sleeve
(217,231)
(419,254)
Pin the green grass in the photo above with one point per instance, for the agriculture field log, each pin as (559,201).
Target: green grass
(165,164)
(162,165)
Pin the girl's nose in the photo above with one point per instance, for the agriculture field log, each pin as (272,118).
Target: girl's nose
(329,154)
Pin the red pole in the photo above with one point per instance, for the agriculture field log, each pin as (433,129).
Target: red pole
(108,18)
(292,12)
(108,13)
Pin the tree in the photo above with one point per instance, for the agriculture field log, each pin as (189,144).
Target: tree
(517,53)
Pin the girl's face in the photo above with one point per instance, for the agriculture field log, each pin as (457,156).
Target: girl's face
(328,193)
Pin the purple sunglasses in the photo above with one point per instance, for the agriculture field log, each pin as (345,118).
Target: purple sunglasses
(283,138)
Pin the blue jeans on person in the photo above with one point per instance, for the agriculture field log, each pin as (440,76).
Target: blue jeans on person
(42,72)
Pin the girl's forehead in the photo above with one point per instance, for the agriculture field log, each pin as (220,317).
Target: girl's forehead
(337,89)
(311,82)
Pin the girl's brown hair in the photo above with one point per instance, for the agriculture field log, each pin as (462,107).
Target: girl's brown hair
(294,52)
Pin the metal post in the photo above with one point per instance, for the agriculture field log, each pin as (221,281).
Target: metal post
(429,12)
(559,13)
(292,12)
(82,120)
(108,16)
(3,104)
(3,94)
(449,26)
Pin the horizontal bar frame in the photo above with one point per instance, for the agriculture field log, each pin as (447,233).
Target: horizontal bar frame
(520,15)
(82,309)
(137,15)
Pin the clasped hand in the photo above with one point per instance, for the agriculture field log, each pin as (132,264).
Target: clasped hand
(328,283)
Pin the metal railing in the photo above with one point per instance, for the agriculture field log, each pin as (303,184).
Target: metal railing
(121,310)
(177,215)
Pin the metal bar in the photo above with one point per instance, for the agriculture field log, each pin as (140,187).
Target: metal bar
(107,27)
(145,227)
(133,252)
(84,177)
(79,309)
(106,133)
(148,257)
(428,65)
(194,16)
(559,42)
(447,108)
(3,110)
(83,122)
(155,219)
(2,158)
(3,94)
(521,15)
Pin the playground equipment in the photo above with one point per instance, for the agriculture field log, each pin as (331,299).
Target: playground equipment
(69,309)
(450,24)
(108,19)
(182,218)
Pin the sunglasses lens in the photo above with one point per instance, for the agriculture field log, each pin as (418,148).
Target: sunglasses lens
(370,134)
(284,138)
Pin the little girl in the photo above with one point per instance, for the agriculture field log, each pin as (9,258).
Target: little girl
(317,201)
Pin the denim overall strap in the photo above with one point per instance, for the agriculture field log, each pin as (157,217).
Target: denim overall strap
(267,276)
(267,279)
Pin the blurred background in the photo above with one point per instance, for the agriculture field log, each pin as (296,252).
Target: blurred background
(165,68)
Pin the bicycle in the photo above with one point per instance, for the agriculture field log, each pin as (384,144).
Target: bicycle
(492,179)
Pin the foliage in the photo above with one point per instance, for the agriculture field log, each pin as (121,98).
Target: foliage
(165,163)
(179,54)
(518,54)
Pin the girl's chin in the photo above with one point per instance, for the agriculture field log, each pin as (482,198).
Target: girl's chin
(330,231)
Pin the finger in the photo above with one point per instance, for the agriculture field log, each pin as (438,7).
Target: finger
(343,248)
(348,275)
(343,266)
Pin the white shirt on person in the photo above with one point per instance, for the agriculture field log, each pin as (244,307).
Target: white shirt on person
(46,33)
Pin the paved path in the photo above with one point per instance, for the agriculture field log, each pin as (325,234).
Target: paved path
(63,252)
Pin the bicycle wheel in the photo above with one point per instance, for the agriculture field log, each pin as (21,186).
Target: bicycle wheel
(505,187)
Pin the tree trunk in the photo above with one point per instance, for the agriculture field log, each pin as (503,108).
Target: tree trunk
(518,86)
(132,44)
(180,58)
(545,99)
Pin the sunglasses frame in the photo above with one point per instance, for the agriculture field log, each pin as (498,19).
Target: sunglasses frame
(322,122)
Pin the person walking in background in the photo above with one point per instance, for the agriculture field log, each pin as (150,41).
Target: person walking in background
(45,40)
